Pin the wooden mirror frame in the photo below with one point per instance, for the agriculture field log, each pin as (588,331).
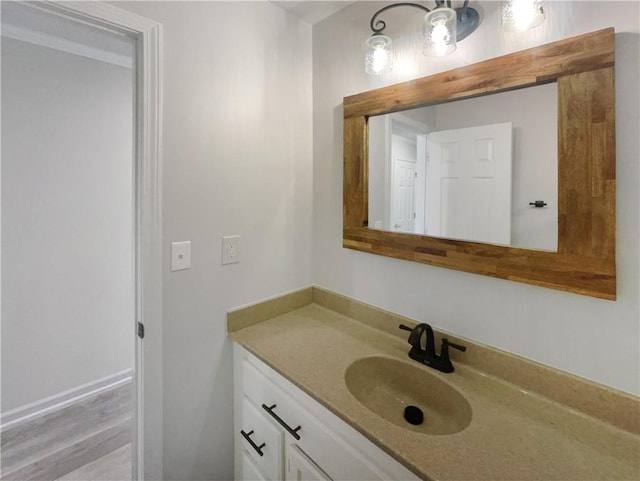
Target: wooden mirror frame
(584,262)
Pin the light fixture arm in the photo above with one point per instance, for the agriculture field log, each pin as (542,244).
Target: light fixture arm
(468,18)
(462,12)
(380,25)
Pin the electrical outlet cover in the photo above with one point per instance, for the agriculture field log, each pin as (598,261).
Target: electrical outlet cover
(230,249)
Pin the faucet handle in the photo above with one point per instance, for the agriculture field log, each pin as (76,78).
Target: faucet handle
(414,337)
(445,362)
(446,342)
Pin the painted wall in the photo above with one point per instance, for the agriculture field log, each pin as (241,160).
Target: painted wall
(237,159)
(66,222)
(592,338)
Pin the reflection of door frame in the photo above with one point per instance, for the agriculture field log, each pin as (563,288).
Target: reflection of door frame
(147,438)
(396,197)
(402,125)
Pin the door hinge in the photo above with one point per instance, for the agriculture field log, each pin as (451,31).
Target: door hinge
(140,330)
(414,215)
(415,175)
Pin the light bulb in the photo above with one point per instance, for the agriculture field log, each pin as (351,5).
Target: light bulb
(440,32)
(378,59)
(521,15)
(440,38)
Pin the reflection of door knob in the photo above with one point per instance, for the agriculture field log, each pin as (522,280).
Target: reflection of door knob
(397,226)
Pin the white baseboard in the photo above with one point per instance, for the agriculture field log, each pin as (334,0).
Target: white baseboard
(61,400)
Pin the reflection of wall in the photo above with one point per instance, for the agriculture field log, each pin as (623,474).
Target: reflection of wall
(534,114)
(379,151)
(582,335)
(425,116)
(67,307)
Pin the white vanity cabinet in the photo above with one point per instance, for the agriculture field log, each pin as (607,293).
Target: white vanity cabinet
(298,466)
(281,433)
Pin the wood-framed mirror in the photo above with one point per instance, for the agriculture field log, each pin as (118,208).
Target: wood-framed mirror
(582,67)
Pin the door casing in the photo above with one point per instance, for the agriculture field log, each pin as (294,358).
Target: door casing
(147,439)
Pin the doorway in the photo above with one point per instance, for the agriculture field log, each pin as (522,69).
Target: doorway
(80,232)
(407,174)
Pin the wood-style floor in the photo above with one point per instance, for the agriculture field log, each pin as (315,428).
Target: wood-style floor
(115,466)
(85,439)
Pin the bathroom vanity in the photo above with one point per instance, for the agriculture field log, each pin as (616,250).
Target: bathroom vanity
(304,363)
(283,433)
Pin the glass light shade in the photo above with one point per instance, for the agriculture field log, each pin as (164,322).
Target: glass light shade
(521,15)
(440,29)
(379,56)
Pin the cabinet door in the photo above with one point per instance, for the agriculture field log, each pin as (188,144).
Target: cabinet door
(299,467)
(249,470)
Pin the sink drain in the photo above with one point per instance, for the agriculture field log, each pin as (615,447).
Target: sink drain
(413,415)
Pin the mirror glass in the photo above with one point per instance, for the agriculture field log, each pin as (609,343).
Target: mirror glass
(470,169)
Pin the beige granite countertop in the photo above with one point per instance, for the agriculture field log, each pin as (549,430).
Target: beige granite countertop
(514,434)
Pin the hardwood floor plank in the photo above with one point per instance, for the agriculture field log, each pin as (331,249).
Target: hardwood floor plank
(115,466)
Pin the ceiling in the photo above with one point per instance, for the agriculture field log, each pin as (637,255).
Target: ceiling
(312,11)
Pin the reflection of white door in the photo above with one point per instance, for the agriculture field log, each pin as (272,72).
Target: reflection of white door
(469,184)
(403,156)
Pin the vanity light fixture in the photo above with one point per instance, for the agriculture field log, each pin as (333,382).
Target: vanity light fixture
(444,26)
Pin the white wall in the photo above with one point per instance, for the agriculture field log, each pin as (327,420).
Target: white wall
(593,338)
(237,159)
(67,311)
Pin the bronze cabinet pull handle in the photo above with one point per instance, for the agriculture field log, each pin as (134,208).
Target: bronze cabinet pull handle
(247,436)
(292,431)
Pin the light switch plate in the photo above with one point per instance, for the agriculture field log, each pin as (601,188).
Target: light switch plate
(230,249)
(180,255)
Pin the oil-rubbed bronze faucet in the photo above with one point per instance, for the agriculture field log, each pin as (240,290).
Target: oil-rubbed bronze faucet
(427,355)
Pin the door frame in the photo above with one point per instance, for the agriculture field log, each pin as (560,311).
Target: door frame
(399,124)
(147,436)
(395,138)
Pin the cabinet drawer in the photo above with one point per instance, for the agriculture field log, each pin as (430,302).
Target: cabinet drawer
(275,403)
(268,443)
(257,386)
